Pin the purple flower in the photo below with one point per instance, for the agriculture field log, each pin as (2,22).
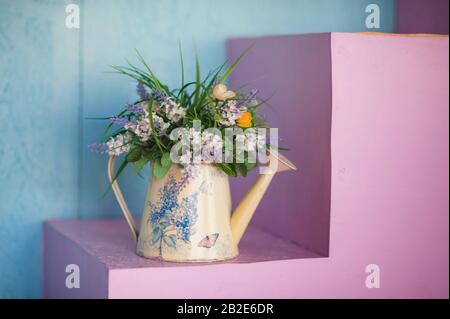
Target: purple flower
(121,121)
(144,95)
(137,109)
(246,99)
(142,92)
(100,148)
(158,96)
(252,93)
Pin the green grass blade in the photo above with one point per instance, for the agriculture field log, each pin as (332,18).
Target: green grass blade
(152,126)
(183,89)
(234,64)
(97,118)
(197,79)
(182,64)
(152,75)
(121,168)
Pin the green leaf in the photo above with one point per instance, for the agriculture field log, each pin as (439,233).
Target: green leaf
(227,168)
(139,165)
(156,235)
(97,118)
(164,224)
(121,168)
(159,170)
(134,155)
(242,169)
(170,241)
(151,154)
(165,160)
(250,166)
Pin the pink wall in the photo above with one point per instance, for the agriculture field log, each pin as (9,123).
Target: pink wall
(390,159)
(297,205)
(422,16)
(389,154)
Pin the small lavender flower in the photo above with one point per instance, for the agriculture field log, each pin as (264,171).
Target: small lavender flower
(101,148)
(211,147)
(252,94)
(251,141)
(137,109)
(158,96)
(121,121)
(230,112)
(142,92)
(141,127)
(172,110)
(160,126)
(248,98)
(118,145)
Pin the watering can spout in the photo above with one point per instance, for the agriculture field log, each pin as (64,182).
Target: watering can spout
(246,208)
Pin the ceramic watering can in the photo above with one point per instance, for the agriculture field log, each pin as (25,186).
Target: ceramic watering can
(187,215)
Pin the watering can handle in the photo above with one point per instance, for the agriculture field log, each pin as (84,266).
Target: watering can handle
(120,199)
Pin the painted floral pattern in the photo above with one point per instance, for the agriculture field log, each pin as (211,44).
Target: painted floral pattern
(173,219)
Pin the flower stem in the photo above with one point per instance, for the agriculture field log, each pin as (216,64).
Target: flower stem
(152,125)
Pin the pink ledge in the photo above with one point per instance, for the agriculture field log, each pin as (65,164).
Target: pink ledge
(109,268)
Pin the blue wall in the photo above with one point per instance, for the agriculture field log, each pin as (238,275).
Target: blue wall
(52,77)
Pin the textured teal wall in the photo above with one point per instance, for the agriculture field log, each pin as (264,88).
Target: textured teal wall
(51,78)
(38,129)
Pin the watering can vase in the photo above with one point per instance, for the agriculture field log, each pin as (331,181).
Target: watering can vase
(187,214)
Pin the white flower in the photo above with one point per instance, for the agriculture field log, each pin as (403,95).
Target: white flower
(185,159)
(250,141)
(176,114)
(211,147)
(160,126)
(230,112)
(172,110)
(142,128)
(119,145)
(196,137)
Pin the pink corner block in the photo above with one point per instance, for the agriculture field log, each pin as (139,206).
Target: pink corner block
(365,117)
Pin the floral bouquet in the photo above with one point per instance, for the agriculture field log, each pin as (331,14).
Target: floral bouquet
(186,125)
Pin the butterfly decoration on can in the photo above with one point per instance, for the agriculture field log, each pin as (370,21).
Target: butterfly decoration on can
(209,241)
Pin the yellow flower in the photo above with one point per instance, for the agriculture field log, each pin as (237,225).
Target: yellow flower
(245,120)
